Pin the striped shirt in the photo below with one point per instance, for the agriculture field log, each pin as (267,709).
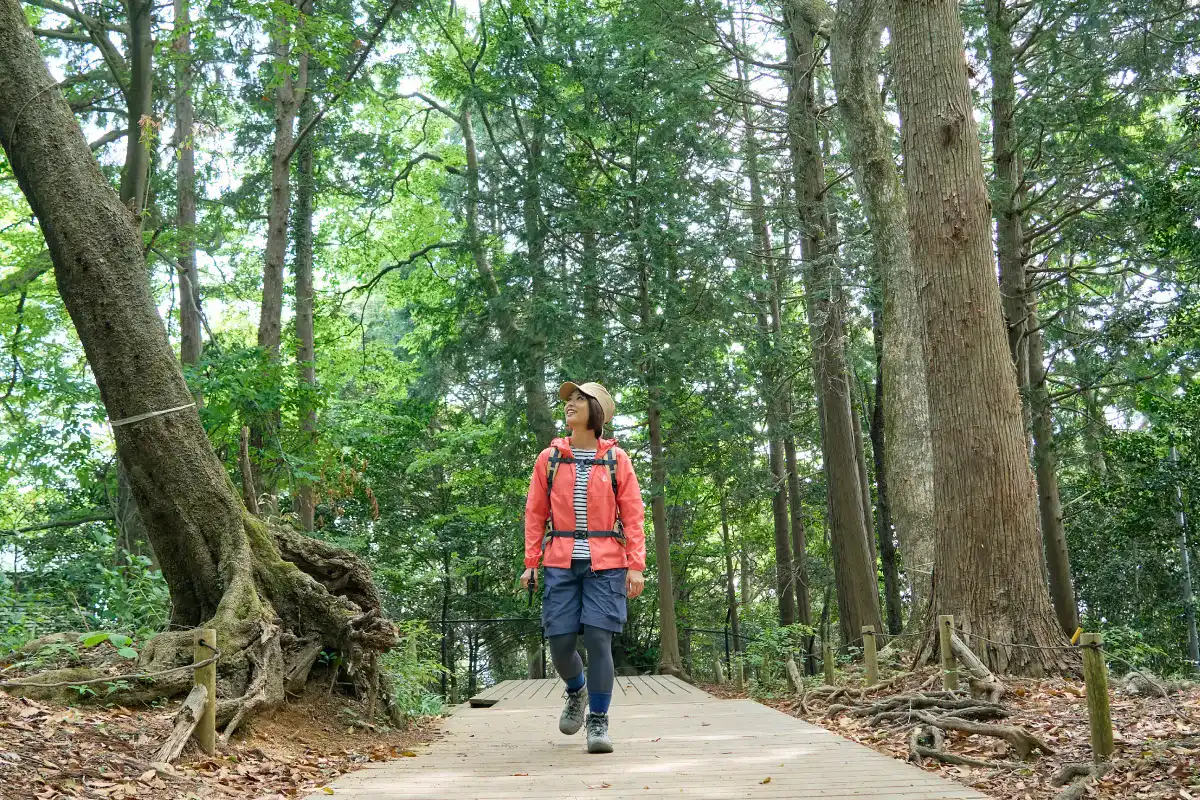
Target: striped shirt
(583,471)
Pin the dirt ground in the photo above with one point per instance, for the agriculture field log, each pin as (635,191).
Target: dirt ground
(91,751)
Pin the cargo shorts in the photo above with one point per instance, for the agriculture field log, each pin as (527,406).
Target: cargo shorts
(579,595)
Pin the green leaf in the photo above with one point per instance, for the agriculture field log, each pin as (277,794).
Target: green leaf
(93,639)
(120,640)
(126,652)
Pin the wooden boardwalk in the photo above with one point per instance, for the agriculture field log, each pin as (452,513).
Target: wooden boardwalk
(672,740)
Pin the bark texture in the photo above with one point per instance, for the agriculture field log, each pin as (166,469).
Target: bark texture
(987,563)
(267,591)
(854,572)
(908,459)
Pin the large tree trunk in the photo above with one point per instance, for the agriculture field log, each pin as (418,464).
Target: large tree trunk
(987,563)
(1045,460)
(887,546)
(854,573)
(854,55)
(306,356)
(266,591)
(191,338)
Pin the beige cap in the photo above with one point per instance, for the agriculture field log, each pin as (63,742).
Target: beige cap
(593,390)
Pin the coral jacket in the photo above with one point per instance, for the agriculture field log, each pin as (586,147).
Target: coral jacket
(607,551)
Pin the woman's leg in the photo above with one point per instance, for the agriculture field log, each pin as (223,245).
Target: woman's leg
(567,661)
(600,671)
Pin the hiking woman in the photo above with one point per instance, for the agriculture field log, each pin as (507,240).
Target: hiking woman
(583,521)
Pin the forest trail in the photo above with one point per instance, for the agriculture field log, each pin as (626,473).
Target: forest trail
(672,740)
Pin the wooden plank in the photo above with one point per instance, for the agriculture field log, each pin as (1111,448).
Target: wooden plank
(707,748)
(647,688)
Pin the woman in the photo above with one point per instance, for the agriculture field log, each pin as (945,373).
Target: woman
(583,520)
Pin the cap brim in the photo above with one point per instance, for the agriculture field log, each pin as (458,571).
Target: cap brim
(564,391)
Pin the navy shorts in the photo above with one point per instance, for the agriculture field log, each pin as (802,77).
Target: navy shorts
(581,596)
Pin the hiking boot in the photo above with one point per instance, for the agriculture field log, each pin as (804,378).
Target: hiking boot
(572,715)
(597,734)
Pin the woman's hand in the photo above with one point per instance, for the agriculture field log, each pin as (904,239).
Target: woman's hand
(635,583)
(526,577)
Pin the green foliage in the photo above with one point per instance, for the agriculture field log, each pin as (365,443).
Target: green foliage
(412,674)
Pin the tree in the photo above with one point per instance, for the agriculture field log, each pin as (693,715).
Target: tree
(849,530)
(276,598)
(987,569)
(908,462)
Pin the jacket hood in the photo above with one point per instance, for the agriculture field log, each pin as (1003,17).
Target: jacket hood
(564,444)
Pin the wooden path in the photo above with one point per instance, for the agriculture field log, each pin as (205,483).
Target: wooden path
(672,740)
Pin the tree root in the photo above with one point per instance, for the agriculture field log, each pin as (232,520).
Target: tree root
(917,752)
(1080,777)
(1022,741)
(286,600)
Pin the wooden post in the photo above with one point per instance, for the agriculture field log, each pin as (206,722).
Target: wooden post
(827,661)
(206,676)
(1095,674)
(949,666)
(870,656)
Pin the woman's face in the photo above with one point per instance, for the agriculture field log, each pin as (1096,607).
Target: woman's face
(576,411)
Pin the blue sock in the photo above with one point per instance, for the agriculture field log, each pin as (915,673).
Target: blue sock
(576,683)
(598,702)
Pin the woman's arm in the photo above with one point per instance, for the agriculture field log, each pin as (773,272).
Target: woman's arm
(537,511)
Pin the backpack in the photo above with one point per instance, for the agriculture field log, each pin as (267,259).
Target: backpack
(609,461)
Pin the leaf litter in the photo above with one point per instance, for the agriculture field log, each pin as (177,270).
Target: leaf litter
(53,752)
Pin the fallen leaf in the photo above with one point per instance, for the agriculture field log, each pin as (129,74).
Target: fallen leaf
(765,781)
(327,790)
(520,774)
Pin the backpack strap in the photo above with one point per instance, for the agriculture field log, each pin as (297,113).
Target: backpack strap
(556,458)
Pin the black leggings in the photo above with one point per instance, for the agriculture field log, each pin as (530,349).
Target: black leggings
(600,671)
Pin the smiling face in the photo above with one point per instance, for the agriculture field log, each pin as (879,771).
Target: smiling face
(577,411)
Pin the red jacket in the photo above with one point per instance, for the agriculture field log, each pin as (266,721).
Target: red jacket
(607,552)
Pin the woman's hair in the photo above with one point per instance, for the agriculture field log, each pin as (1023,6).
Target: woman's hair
(595,416)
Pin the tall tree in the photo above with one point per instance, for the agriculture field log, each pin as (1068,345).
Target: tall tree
(289,79)
(987,563)
(268,591)
(857,588)
(191,339)
(306,356)
(907,457)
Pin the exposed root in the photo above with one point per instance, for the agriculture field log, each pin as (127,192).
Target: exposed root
(917,752)
(1080,777)
(287,600)
(1024,742)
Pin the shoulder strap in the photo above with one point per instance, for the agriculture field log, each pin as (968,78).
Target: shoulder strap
(552,469)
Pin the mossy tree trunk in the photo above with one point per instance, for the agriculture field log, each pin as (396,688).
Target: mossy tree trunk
(275,596)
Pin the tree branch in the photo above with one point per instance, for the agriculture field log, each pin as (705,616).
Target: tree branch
(73,522)
(366,52)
